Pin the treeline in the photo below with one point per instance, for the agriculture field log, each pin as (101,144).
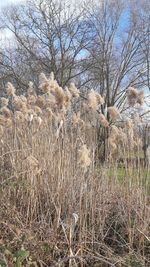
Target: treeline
(102,45)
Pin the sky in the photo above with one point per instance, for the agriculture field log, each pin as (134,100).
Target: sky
(7,2)
(4,34)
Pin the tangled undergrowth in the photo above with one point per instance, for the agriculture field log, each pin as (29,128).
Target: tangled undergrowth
(61,205)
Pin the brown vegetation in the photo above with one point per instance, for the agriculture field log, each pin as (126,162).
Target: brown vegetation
(61,206)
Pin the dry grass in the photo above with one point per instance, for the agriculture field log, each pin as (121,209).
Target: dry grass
(60,206)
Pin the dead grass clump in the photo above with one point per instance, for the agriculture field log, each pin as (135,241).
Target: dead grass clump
(134,96)
(113,112)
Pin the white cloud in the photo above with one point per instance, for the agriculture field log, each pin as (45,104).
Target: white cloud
(7,2)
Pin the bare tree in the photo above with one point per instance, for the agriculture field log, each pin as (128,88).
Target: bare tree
(49,36)
(141,18)
(114,50)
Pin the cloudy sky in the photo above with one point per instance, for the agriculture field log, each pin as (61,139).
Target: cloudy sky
(6,2)
(6,34)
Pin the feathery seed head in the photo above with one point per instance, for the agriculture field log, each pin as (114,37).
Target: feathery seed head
(29,116)
(31,99)
(140,98)
(44,83)
(10,89)
(93,100)
(2,120)
(100,99)
(114,131)
(52,78)
(1,131)
(129,124)
(134,96)
(6,112)
(19,104)
(68,98)
(73,90)
(40,101)
(59,95)
(23,98)
(37,110)
(31,90)
(49,113)
(84,156)
(19,116)
(50,100)
(113,112)
(76,117)
(4,102)
(111,144)
(103,120)
(8,122)
(37,121)
(59,128)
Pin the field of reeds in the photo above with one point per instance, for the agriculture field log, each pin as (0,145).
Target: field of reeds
(74,186)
